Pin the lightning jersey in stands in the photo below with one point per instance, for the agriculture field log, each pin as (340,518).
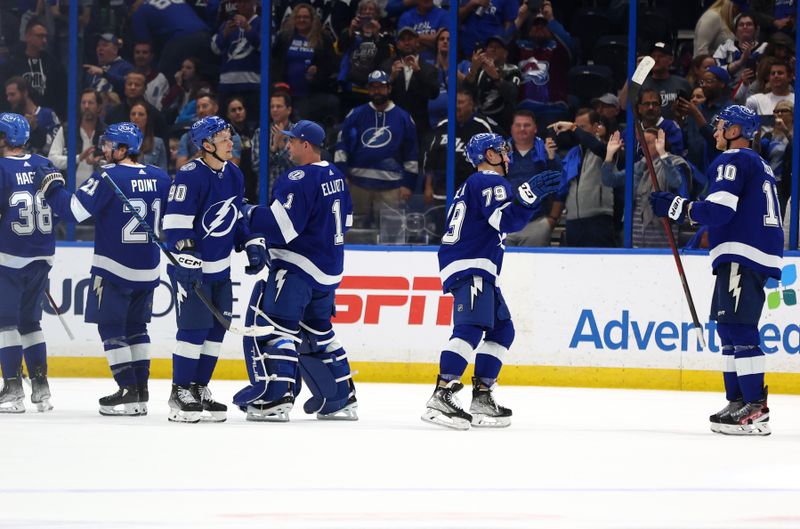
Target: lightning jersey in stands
(483,211)
(205,206)
(124,253)
(306,222)
(378,150)
(742,212)
(165,20)
(26,220)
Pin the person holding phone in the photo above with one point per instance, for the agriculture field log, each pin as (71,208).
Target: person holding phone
(740,54)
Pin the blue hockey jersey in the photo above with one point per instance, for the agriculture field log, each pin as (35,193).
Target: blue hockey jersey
(306,221)
(742,212)
(26,219)
(124,253)
(378,150)
(241,62)
(204,205)
(483,211)
(165,20)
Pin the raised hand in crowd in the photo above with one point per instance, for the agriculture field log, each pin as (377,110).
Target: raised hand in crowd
(551,148)
(615,144)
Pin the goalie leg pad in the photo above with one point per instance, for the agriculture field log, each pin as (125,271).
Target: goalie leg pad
(326,371)
(272,370)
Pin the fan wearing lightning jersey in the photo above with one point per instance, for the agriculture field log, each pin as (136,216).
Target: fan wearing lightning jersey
(304,226)
(27,245)
(203,223)
(484,209)
(125,265)
(745,240)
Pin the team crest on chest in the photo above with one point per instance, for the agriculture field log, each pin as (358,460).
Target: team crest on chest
(219,219)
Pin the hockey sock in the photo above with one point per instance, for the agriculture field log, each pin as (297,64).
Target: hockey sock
(187,355)
(208,361)
(33,348)
(139,341)
(118,353)
(732,389)
(459,351)
(750,363)
(10,352)
(489,360)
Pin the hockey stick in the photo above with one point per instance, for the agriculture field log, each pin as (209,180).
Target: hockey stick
(256,330)
(638,78)
(58,313)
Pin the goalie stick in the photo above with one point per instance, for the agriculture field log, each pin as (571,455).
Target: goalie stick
(255,330)
(639,76)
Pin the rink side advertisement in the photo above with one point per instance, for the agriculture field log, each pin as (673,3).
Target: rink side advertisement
(581,319)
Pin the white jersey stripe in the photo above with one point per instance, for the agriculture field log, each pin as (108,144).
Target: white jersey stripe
(745,250)
(14,261)
(304,264)
(284,222)
(724,198)
(78,211)
(125,272)
(173,221)
(465,264)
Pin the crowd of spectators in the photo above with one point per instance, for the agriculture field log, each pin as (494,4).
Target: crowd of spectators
(547,74)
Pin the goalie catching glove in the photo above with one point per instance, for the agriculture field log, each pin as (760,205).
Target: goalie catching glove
(539,186)
(47,178)
(669,205)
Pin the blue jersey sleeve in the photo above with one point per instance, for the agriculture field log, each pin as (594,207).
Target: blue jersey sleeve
(182,207)
(727,177)
(496,202)
(90,198)
(286,216)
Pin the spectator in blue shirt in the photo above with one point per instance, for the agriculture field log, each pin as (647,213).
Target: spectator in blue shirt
(109,72)
(426,19)
(481,19)
(43,121)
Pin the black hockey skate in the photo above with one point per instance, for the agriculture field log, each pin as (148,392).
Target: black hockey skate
(40,389)
(271,411)
(750,419)
(715,419)
(443,407)
(485,411)
(183,405)
(144,398)
(213,411)
(12,395)
(125,402)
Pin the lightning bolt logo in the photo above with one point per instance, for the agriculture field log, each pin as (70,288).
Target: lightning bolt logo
(219,218)
(280,279)
(474,290)
(98,289)
(375,136)
(733,285)
(181,296)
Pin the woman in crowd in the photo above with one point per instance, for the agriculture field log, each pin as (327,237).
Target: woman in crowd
(714,27)
(153,151)
(237,117)
(304,58)
(178,104)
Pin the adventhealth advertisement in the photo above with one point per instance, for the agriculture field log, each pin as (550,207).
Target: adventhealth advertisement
(579,310)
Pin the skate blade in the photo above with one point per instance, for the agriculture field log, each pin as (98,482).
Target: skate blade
(440,419)
(13,407)
(142,408)
(279,413)
(176,415)
(486,421)
(213,416)
(43,405)
(761,428)
(348,413)
(121,410)
(715,427)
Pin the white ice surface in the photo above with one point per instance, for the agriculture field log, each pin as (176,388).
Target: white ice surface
(573,458)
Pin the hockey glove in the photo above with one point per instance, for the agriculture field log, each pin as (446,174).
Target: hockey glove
(247,210)
(189,270)
(47,178)
(538,187)
(666,204)
(256,249)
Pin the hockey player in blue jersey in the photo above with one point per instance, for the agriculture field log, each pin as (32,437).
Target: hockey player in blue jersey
(27,245)
(304,226)
(745,240)
(125,265)
(203,223)
(485,208)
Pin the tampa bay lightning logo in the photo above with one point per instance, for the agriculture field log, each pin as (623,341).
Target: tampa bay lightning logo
(296,175)
(376,137)
(219,219)
(189,166)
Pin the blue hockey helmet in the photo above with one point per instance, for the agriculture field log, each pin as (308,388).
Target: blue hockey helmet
(742,116)
(124,133)
(15,128)
(205,129)
(480,143)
